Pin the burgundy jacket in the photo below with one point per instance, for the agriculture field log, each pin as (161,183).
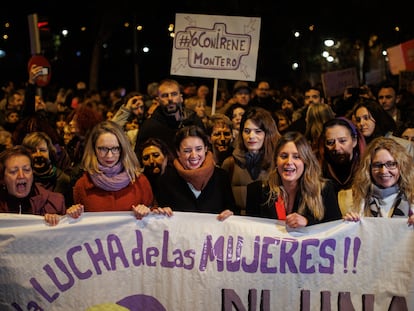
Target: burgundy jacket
(42,201)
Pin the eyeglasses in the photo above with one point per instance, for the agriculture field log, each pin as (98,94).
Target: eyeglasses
(103,151)
(389,165)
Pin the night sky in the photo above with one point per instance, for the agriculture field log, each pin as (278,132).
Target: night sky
(350,19)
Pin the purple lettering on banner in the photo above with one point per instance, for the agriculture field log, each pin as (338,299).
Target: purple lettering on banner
(115,250)
(230,300)
(178,258)
(264,268)
(344,302)
(265,300)
(252,268)
(356,248)
(286,255)
(151,253)
(234,265)
(97,257)
(190,254)
(137,252)
(164,261)
(210,253)
(32,306)
(305,300)
(49,297)
(70,254)
(306,256)
(325,245)
(326,301)
(61,265)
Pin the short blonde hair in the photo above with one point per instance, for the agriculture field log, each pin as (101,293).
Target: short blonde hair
(193,101)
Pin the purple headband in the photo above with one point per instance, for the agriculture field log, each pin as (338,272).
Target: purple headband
(350,125)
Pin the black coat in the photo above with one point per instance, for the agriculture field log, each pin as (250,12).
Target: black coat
(217,196)
(257,205)
(164,127)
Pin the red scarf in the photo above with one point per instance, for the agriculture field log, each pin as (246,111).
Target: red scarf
(280,207)
(198,177)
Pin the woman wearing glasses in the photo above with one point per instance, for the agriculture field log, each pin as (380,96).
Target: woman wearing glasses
(383,185)
(112,179)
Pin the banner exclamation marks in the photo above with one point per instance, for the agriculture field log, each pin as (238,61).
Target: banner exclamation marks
(357,246)
(346,253)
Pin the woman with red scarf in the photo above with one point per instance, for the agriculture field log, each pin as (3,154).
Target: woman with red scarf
(195,183)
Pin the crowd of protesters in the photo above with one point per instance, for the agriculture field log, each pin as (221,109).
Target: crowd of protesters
(284,153)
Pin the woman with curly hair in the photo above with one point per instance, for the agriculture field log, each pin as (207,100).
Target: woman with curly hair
(295,190)
(383,186)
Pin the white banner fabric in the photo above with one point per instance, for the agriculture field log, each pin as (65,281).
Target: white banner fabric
(191,261)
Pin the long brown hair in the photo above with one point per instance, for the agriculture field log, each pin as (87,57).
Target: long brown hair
(311,182)
(264,120)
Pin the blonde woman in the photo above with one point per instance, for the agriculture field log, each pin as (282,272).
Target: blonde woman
(383,185)
(112,179)
(295,190)
(198,104)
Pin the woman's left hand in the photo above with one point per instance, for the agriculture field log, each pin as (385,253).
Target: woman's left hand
(75,211)
(296,220)
(162,211)
(52,219)
(224,215)
(140,210)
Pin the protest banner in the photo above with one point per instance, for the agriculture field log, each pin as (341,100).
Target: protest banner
(191,261)
(214,46)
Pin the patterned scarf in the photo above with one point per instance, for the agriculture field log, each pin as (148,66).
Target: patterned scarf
(378,196)
(381,193)
(112,178)
(198,177)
